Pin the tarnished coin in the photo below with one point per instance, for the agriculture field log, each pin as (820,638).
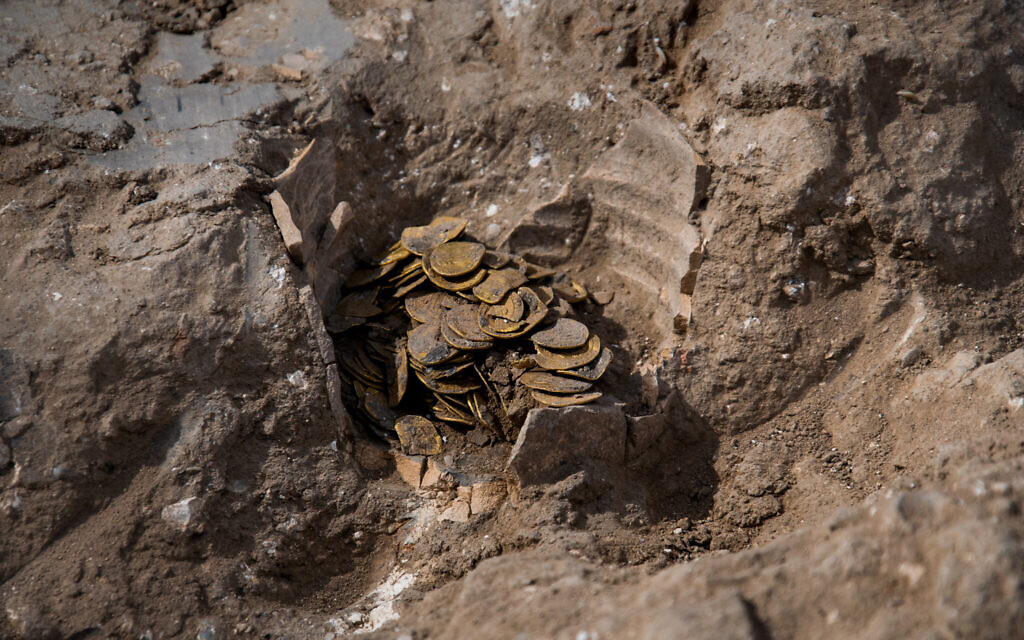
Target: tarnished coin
(447,414)
(445,370)
(498,283)
(497,327)
(593,369)
(565,334)
(495,259)
(429,306)
(359,304)
(512,309)
(553,383)
(553,400)
(427,346)
(398,375)
(572,291)
(535,312)
(419,436)
(448,385)
(570,358)
(409,286)
(463,320)
(376,406)
(545,293)
(537,272)
(602,297)
(462,343)
(362,277)
(441,230)
(339,324)
(454,259)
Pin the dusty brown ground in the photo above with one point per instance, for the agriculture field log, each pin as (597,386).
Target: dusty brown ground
(834,447)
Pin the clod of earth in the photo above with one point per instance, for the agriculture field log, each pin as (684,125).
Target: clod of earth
(454,313)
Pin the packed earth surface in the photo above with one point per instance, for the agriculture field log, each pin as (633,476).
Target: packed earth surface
(800,224)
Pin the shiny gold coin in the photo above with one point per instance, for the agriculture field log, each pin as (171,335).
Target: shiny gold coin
(565,334)
(552,383)
(359,304)
(461,343)
(448,385)
(463,321)
(419,436)
(593,369)
(428,306)
(420,239)
(362,277)
(455,259)
(512,309)
(427,346)
(451,284)
(552,400)
(498,283)
(570,358)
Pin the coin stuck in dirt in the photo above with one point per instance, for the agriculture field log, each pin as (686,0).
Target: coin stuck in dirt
(441,230)
(593,369)
(427,346)
(555,400)
(419,436)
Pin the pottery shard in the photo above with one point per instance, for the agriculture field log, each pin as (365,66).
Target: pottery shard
(306,187)
(286,223)
(554,443)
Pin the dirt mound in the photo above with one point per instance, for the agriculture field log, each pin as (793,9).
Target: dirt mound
(804,221)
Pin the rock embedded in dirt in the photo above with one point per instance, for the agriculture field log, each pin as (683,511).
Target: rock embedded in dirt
(554,443)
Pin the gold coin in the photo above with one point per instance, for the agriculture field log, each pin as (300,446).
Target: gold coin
(428,307)
(537,272)
(376,406)
(564,401)
(496,327)
(460,284)
(463,321)
(419,436)
(573,292)
(593,369)
(454,259)
(406,288)
(398,376)
(552,383)
(565,334)
(495,259)
(447,414)
(448,385)
(462,343)
(569,358)
(427,346)
(340,324)
(441,230)
(362,277)
(408,271)
(498,283)
(359,304)
(445,370)
(544,292)
(394,253)
(512,309)
(535,312)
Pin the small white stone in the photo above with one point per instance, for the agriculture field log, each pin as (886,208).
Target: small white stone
(297,378)
(179,513)
(491,210)
(579,101)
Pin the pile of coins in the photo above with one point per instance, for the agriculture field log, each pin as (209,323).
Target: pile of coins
(447,327)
